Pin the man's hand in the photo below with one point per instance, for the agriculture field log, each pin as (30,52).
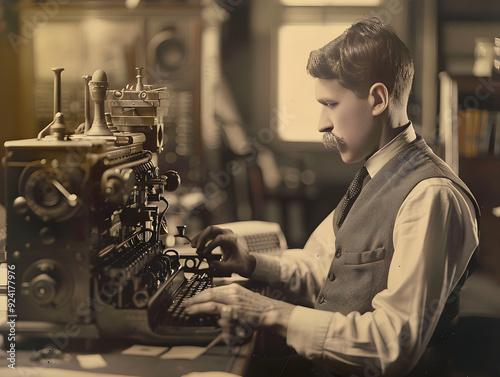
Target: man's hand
(234,256)
(248,307)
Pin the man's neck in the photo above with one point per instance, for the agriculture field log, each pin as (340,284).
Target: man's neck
(395,122)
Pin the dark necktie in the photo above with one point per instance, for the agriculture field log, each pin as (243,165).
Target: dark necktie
(352,193)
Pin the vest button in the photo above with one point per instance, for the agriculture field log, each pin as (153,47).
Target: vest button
(331,276)
(338,253)
(321,299)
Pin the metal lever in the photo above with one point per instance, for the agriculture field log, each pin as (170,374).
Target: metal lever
(57,89)
(71,198)
(139,86)
(57,107)
(86,102)
(181,233)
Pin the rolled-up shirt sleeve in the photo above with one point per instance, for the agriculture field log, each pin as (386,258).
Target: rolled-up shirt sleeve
(434,237)
(300,271)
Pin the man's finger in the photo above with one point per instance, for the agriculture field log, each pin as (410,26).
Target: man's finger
(208,295)
(204,308)
(208,234)
(226,241)
(225,294)
(221,267)
(194,241)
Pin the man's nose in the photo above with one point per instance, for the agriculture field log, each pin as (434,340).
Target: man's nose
(324,124)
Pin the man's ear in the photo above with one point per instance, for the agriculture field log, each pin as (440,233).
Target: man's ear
(379,96)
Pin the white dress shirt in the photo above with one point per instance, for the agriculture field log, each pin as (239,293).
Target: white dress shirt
(435,234)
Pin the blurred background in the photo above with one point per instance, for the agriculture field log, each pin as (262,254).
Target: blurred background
(242,123)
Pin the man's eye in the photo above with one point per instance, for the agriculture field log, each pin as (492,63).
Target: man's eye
(331,104)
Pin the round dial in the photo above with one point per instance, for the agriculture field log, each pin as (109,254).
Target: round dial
(48,283)
(49,194)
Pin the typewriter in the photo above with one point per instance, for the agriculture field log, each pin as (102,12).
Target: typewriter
(87,229)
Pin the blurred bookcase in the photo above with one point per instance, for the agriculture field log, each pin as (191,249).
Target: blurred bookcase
(469,133)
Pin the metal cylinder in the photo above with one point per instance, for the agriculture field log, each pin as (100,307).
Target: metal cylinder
(57,89)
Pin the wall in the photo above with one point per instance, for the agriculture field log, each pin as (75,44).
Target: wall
(9,111)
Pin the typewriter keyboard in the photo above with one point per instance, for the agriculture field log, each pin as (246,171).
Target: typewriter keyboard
(175,315)
(264,242)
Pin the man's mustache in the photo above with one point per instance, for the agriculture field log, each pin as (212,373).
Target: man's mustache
(330,141)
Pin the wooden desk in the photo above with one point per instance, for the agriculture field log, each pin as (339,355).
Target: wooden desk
(217,358)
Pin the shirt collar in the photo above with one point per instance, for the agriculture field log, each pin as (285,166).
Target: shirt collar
(388,151)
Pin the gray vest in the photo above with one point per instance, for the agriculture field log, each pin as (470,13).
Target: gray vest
(363,246)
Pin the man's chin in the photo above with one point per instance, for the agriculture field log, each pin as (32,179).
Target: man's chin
(349,159)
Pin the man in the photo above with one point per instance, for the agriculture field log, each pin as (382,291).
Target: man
(384,269)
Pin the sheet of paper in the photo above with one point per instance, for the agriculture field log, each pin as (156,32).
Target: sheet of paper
(211,374)
(184,352)
(52,372)
(91,361)
(141,350)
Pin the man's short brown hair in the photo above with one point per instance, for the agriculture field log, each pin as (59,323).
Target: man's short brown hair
(366,53)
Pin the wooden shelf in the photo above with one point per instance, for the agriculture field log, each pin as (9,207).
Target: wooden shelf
(465,10)
(478,92)
(482,175)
